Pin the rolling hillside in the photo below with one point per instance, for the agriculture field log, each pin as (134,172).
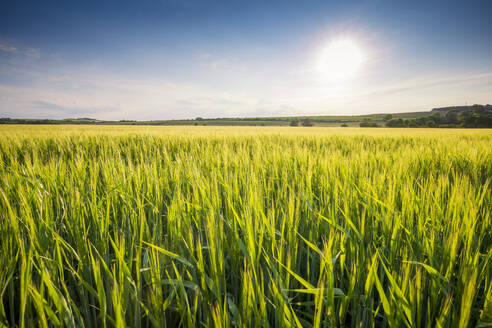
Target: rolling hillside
(325,120)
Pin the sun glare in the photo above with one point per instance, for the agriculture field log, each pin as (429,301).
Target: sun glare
(340,60)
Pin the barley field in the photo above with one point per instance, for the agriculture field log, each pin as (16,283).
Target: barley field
(245,227)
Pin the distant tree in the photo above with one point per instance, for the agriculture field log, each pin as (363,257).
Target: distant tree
(451,116)
(478,117)
(412,123)
(344,125)
(307,122)
(477,107)
(436,118)
(367,123)
(395,123)
(388,117)
(294,122)
(199,119)
(431,124)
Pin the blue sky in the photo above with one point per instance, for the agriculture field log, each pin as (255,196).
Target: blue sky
(171,59)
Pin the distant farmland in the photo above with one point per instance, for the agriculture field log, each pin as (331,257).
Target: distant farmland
(247,121)
(476,116)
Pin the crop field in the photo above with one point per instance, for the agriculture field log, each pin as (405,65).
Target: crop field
(104,226)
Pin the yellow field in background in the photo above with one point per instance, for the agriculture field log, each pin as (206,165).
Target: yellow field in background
(51,130)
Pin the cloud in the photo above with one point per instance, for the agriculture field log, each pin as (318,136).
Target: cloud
(110,97)
(92,90)
(28,52)
(430,82)
(6,48)
(69,110)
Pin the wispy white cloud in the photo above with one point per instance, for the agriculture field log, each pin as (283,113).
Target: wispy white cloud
(25,51)
(109,97)
(6,48)
(105,96)
(224,88)
(430,82)
(69,110)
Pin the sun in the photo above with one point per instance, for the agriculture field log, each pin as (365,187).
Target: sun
(340,60)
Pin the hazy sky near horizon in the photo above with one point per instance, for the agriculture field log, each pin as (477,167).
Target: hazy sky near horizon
(171,59)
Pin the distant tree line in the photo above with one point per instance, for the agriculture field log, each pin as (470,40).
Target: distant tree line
(367,123)
(304,122)
(6,120)
(476,117)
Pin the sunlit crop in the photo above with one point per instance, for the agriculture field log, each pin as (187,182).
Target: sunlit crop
(245,227)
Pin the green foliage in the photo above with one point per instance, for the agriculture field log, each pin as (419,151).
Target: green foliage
(307,122)
(449,117)
(397,123)
(476,117)
(367,123)
(145,228)
(294,122)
